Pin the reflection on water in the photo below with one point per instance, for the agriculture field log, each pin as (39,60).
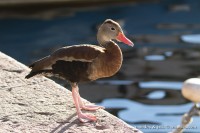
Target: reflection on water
(161,84)
(144,84)
(115,82)
(168,116)
(156,95)
(191,38)
(154,57)
(146,91)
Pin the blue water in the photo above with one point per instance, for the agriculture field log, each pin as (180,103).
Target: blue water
(132,113)
(147,90)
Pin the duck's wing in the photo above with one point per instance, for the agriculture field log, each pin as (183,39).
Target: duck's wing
(83,53)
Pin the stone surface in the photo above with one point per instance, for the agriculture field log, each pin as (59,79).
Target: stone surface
(39,105)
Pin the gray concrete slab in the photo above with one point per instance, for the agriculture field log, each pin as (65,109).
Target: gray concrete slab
(39,105)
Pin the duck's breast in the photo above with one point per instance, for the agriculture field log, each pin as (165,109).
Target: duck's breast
(106,64)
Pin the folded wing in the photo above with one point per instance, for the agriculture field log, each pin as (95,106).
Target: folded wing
(83,53)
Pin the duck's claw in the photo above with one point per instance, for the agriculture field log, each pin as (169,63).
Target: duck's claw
(86,117)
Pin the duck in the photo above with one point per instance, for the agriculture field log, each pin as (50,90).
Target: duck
(85,63)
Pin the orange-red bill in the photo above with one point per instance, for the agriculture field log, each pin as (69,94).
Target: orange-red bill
(121,37)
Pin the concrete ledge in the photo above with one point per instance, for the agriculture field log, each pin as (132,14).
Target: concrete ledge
(39,105)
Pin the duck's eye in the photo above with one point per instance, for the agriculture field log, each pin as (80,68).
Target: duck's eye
(112,28)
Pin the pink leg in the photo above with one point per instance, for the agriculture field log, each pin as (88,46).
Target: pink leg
(89,107)
(81,116)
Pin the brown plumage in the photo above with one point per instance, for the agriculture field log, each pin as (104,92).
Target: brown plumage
(83,63)
(76,53)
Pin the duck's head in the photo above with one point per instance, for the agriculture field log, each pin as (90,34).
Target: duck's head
(111,30)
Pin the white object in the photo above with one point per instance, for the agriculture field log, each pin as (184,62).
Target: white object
(191,90)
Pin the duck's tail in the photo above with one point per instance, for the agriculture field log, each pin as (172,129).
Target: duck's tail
(40,67)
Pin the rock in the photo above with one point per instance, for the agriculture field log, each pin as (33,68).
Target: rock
(191,90)
(39,105)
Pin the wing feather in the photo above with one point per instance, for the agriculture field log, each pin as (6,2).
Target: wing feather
(84,53)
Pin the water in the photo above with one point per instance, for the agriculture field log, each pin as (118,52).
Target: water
(146,92)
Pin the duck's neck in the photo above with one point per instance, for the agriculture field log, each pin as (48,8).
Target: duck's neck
(111,47)
(107,64)
(112,59)
(102,39)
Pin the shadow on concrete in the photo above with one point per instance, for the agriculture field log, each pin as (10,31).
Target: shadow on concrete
(64,125)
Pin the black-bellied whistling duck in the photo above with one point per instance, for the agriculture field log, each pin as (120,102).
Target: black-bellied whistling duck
(82,63)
